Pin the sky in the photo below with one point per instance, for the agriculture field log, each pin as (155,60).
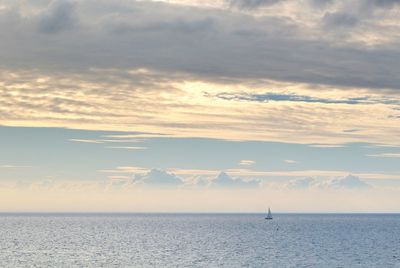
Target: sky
(200,106)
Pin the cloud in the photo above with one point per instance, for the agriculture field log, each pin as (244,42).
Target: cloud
(136,35)
(303,183)
(182,26)
(14,166)
(386,155)
(346,182)
(321,3)
(327,145)
(223,180)
(113,65)
(47,183)
(271,96)
(157,178)
(23,184)
(382,3)
(190,175)
(80,101)
(199,181)
(289,161)
(251,4)
(119,182)
(85,141)
(59,16)
(162,178)
(246,162)
(127,147)
(339,19)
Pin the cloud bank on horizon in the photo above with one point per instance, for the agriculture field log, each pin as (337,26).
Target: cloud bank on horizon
(230,69)
(162,179)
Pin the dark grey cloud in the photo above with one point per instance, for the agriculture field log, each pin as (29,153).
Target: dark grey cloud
(339,19)
(178,25)
(251,4)
(200,43)
(370,10)
(382,3)
(289,97)
(59,16)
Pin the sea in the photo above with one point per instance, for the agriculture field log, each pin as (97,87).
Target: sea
(199,240)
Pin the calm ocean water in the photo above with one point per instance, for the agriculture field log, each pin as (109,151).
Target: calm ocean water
(199,240)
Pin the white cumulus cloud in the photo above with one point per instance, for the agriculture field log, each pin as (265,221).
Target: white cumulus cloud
(346,182)
(157,177)
(224,180)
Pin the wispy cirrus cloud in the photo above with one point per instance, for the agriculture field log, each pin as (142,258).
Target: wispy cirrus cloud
(386,155)
(246,162)
(327,145)
(127,147)
(86,141)
(15,166)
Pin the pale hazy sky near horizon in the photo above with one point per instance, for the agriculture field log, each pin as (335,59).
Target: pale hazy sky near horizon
(187,105)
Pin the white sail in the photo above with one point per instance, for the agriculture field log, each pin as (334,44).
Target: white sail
(269,215)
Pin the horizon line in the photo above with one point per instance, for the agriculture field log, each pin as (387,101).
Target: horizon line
(198,213)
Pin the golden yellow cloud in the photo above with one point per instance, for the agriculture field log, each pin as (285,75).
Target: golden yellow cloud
(181,106)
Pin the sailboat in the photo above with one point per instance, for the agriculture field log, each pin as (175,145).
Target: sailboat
(269,215)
